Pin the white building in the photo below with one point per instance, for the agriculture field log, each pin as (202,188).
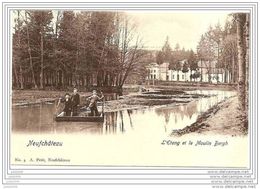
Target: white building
(207,74)
(210,72)
(153,70)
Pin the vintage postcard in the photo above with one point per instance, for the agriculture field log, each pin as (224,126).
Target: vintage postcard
(126,89)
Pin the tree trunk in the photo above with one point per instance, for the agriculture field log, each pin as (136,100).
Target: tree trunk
(30,55)
(20,76)
(247,24)
(209,72)
(15,75)
(233,69)
(41,73)
(241,62)
(201,72)
(225,75)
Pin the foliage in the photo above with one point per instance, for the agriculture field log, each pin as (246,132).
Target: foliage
(185,67)
(192,61)
(74,49)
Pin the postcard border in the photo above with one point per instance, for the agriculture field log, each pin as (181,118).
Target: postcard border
(6,119)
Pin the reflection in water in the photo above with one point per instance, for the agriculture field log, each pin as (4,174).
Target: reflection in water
(155,120)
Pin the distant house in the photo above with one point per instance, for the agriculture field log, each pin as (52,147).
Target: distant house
(207,73)
(153,70)
(210,72)
(179,75)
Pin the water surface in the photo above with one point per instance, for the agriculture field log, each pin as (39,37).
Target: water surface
(157,120)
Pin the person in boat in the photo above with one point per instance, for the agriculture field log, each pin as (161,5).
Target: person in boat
(75,100)
(93,102)
(68,105)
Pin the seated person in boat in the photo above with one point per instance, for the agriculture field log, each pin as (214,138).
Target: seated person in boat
(93,103)
(67,105)
(75,100)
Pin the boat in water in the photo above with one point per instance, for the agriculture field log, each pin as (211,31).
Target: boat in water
(84,115)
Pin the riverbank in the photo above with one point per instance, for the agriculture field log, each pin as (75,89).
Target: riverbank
(30,97)
(130,101)
(178,85)
(224,118)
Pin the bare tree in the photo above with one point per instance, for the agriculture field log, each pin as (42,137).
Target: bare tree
(247,31)
(240,21)
(18,70)
(29,48)
(130,53)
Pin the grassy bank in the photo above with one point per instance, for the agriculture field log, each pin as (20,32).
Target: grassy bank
(225,118)
(130,101)
(23,97)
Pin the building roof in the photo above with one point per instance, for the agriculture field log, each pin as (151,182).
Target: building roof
(217,71)
(164,65)
(153,65)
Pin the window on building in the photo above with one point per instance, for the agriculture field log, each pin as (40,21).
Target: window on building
(172,76)
(182,76)
(154,76)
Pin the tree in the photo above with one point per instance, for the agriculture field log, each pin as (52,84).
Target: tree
(195,75)
(215,36)
(247,43)
(129,48)
(75,49)
(240,21)
(175,64)
(159,57)
(185,68)
(17,52)
(38,34)
(206,54)
(228,56)
(166,50)
(29,48)
(192,61)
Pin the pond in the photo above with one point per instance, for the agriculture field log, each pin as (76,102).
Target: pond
(157,120)
(126,138)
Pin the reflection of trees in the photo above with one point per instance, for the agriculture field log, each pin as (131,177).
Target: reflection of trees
(121,124)
(114,121)
(192,108)
(110,122)
(130,112)
(178,111)
(164,112)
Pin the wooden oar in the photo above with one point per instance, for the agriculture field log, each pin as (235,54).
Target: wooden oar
(58,107)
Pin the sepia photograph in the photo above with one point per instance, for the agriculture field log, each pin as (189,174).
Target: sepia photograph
(130,88)
(129,94)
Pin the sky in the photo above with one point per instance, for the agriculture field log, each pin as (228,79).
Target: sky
(183,28)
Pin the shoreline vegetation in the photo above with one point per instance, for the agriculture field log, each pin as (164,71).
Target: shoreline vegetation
(133,100)
(31,97)
(223,118)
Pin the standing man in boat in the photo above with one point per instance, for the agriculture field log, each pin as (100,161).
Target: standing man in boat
(67,108)
(75,100)
(93,102)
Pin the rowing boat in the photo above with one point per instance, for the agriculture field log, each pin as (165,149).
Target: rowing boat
(80,118)
(83,115)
